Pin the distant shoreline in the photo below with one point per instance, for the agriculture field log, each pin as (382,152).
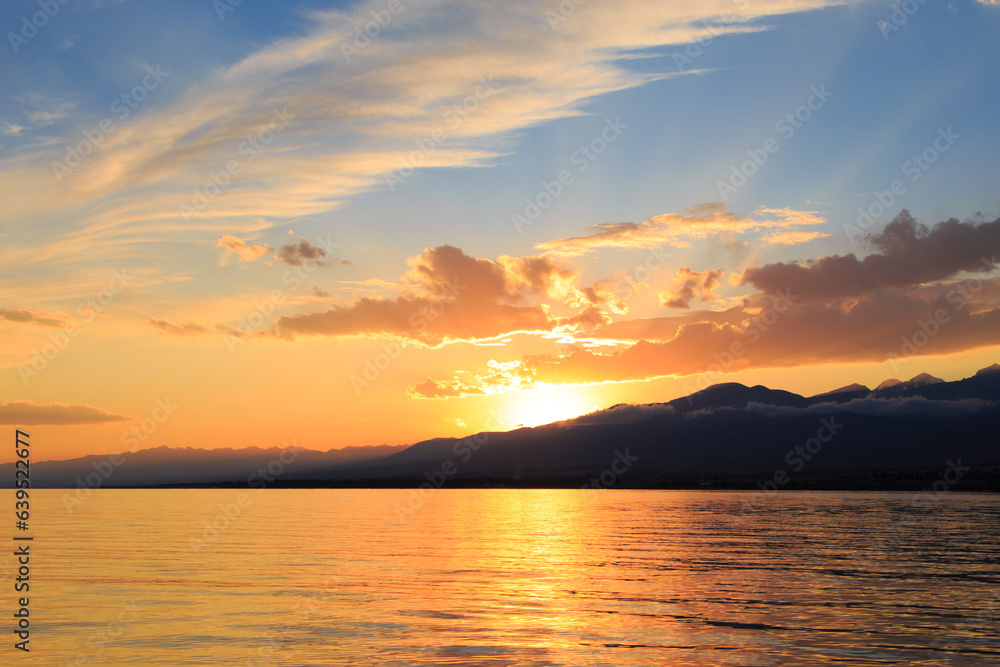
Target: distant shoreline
(980,479)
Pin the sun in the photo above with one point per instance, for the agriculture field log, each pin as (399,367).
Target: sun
(543,406)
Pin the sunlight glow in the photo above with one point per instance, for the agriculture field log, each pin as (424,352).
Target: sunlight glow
(534,408)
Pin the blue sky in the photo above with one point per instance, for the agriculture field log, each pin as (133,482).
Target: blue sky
(323,173)
(890,96)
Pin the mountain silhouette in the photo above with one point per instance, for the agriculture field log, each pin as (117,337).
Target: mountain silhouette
(901,433)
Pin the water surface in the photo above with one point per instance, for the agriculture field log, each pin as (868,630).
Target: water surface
(513,577)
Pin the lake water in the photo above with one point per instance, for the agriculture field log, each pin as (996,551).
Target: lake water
(511,577)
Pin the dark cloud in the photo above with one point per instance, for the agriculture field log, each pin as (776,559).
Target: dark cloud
(297,254)
(30,317)
(893,305)
(908,254)
(26,413)
(885,325)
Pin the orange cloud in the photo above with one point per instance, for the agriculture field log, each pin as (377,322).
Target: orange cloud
(246,253)
(499,378)
(689,285)
(830,309)
(881,327)
(792,238)
(877,328)
(453,296)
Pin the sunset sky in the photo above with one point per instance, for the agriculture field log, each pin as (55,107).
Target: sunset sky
(242,224)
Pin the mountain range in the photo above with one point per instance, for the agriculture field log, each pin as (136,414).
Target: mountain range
(902,434)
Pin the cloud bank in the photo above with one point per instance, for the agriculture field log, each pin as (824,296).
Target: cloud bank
(832,309)
(908,254)
(26,413)
(452,297)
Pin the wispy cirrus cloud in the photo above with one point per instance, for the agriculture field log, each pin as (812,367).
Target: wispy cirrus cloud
(779,226)
(185,329)
(351,122)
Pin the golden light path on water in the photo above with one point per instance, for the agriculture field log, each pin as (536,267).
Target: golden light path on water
(513,577)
